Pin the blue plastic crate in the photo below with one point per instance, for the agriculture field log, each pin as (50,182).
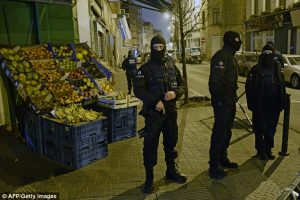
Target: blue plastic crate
(121,122)
(83,157)
(33,132)
(74,145)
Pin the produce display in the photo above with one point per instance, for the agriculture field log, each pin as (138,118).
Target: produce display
(40,52)
(49,65)
(59,80)
(10,54)
(77,74)
(84,55)
(75,113)
(67,98)
(106,87)
(57,75)
(120,95)
(62,51)
(67,64)
(51,75)
(59,87)
(93,70)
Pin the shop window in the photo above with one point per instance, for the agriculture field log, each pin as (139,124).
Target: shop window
(216,16)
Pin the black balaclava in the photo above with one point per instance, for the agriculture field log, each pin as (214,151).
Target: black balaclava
(130,54)
(232,39)
(158,55)
(266,57)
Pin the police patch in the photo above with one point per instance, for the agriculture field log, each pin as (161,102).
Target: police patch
(221,63)
(139,75)
(219,66)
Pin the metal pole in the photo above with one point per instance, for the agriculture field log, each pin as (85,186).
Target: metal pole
(286,125)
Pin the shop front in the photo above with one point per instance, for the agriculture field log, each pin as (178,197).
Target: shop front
(281,27)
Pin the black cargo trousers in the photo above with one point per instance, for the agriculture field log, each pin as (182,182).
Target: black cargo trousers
(155,123)
(265,119)
(224,114)
(130,75)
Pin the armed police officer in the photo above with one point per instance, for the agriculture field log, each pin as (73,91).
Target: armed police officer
(222,86)
(130,65)
(159,84)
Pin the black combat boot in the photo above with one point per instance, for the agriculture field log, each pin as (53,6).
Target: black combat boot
(148,186)
(261,156)
(270,155)
(173,174)
(216,172)
(227,164)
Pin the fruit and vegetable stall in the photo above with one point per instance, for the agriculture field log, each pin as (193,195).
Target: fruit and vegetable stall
(72,110)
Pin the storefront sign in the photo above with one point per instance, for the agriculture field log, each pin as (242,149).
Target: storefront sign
(268,22)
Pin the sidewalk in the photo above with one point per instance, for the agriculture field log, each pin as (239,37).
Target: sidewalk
(121,174)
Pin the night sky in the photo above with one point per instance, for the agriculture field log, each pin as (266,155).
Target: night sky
(159,20)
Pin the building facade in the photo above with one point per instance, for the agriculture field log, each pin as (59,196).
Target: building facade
(135,24)
(148,32)
(273,20)
(97,25)
(192,39)
(217,17)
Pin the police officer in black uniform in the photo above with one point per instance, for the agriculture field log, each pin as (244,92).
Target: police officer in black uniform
(130,65)
(158,84)
(222,86)
(265,92)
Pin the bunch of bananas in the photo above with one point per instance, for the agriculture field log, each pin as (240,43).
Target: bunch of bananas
(75,113)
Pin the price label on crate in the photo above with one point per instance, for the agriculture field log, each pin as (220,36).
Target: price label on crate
(78,64)
(65,76)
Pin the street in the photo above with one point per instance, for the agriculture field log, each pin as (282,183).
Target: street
(198,75)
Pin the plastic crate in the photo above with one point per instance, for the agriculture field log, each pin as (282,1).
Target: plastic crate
(112,102)
(85,156)
(33,132)
(75,145)
(121,122)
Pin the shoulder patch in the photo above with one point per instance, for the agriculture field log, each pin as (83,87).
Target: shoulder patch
(139,74)
(219,65)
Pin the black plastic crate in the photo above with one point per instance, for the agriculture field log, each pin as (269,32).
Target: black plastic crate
(121,122)
(75,145)
(33,132)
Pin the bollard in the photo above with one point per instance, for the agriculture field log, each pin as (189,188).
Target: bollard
(286,125)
